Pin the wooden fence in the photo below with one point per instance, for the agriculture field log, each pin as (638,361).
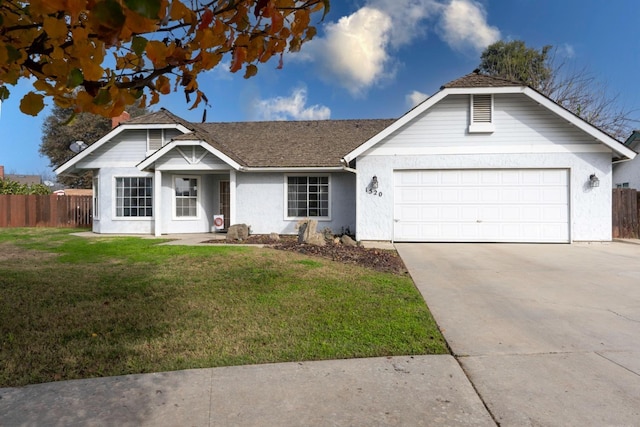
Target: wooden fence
(625,204)
(45,211)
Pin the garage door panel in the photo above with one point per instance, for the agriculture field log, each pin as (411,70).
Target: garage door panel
(502,205)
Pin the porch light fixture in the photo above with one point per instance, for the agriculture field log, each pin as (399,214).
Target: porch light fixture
(374,183)
(594,181)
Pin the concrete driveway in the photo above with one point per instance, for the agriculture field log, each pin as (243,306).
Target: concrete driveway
(548,334)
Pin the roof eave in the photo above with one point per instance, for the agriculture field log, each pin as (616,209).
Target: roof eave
(581,124)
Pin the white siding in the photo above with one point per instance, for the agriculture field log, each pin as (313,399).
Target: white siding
(518,122)
(526,136)
(127,149)
(261,202)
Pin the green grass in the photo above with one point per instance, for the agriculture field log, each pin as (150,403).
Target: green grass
(73,307)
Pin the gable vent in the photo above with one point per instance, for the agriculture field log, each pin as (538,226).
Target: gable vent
(482,108)
(481,114)
(154,137)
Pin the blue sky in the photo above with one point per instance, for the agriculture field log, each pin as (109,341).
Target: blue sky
(376,58)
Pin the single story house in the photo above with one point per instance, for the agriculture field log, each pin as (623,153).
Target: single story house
(626,173)
(482,160)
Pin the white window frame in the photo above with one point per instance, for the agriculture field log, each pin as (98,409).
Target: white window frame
(622,185)
(96,197)
(286,197)
(174,198)
(115,215)
(481,127)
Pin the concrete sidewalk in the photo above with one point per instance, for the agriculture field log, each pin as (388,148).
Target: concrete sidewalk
(394,391)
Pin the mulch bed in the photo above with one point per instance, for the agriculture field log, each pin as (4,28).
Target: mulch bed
(377,259)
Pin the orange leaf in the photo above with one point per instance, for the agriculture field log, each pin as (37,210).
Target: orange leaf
(32,103)
(163,85)
(239,55)
(205,19)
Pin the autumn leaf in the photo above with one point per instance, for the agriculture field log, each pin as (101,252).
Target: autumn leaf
(251,71)
(63,46)
(239,54)
(32,103)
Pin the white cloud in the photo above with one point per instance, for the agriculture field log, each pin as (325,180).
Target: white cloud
(289,108)
(358,51)
(567,51)
(408,18)
(353,52)
(464,24)
(415,98)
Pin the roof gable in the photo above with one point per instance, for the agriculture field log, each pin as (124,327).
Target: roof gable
(476,83)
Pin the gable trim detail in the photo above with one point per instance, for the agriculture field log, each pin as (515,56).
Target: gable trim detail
(146,163)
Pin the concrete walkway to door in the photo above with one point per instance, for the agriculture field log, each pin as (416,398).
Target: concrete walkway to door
(548,334)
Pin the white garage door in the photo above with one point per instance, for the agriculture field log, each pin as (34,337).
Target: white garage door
(481,205)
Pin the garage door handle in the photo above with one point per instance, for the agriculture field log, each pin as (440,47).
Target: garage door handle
(478,220)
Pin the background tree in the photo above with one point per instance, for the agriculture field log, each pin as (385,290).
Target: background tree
(576,89)
(58,132)
(8,186)
(152,46)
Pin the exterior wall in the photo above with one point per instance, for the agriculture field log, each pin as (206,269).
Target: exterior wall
(260,199)
(106,221)
(627,172)
(126,149)
(172,224)
(526,136)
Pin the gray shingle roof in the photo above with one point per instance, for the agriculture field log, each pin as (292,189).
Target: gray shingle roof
(319,143)
(476,79)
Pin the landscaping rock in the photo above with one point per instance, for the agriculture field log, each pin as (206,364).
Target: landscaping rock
(347,241)
(237,232)
(274,236)
(307,233)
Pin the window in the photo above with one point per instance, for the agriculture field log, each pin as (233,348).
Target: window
(134,197)
(186,191)
(481,114)
(96,199)
(307,196)
(623,185)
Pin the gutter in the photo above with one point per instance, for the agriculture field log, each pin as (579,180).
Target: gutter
(345,166)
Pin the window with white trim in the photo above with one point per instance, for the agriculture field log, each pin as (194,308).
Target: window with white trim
(96,198)
(623,185)
(134,196)
(307,196)
(481,113)
(186,196)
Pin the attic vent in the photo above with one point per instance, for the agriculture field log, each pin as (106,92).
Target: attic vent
(154,139)
(481,113)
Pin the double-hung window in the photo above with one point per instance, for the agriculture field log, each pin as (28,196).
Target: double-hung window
(186,197)
(134,197)
(307,197)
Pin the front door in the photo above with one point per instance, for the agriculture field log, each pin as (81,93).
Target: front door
(225,202)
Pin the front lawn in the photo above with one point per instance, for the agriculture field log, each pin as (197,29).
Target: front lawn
(73,307)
